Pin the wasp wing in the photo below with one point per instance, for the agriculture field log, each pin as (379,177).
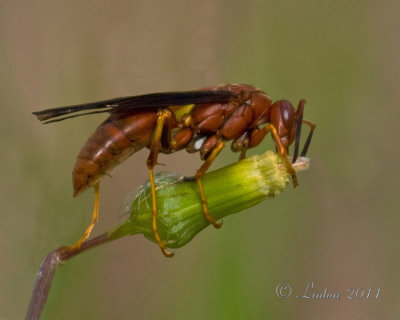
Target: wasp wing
(127,104)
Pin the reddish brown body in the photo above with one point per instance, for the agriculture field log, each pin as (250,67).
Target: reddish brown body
(114,140)
(199,130)
(201,120)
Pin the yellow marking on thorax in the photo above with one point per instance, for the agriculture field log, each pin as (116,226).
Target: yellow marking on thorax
(180,111)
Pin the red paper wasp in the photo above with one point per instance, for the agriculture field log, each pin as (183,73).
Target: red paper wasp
(201,120)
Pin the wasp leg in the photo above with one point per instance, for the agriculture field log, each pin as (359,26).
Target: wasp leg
(241,144)
(308,141)
(95,217)
(219,146)
(243,151)
(281,150)
(162,117)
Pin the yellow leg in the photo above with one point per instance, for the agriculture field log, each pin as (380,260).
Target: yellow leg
(151,162)
(95,217)
(198,176)
(282,152)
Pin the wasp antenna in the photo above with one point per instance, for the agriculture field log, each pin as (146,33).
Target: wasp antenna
(308,141)
(299,112)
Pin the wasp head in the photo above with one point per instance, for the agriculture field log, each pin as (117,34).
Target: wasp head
(287,122)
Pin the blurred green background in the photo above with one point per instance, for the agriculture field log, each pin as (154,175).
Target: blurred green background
(339,229)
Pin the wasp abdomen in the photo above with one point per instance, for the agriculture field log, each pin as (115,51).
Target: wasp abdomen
(114,140)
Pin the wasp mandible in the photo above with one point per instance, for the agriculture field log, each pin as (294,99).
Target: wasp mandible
(198,121)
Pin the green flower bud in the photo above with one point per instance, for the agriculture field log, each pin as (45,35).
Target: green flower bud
(228,190)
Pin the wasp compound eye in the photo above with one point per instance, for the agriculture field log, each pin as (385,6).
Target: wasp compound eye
(287,113)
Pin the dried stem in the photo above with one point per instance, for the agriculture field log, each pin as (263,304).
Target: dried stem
(47,269)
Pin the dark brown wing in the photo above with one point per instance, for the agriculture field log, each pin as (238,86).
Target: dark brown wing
(127,104)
